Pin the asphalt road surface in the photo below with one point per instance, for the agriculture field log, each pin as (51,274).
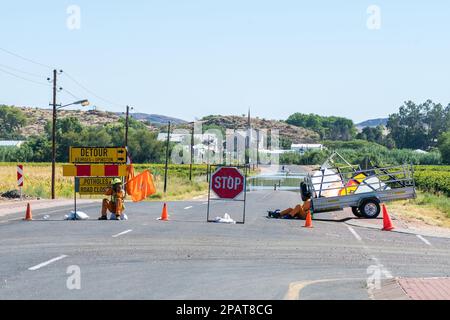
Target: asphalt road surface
(188,258)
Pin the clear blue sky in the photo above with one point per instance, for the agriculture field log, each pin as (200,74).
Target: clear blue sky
(192,58)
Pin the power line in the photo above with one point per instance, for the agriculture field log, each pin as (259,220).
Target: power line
(25,79)
(91,92)
(70,93)
(49,67)
(21,71)
(26,59)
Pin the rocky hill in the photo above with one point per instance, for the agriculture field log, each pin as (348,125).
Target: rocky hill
(293,133)
(155,119)
(372,123)
(37,118)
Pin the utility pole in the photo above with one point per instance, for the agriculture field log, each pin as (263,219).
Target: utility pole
(257,148)
(55,73)
(207,160)
(247,142)
(192,151)
(126,125)
(167,159)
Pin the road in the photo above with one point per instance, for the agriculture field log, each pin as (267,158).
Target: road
(187,258)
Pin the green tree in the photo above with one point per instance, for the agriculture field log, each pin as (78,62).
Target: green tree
(144,147)
(97,136)
(372,134)
(41,148)
(418,126)
(285,143)
(12,119)
(444,147)
(329,128)
(69,133)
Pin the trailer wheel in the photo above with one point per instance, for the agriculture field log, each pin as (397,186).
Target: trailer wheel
(370,209)
(356,212)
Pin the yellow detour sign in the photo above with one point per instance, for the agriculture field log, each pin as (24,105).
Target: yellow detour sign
(89,186)
(97,155)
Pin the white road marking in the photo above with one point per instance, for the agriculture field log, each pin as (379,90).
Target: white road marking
(383,270)
(266,196)
(187,208)
(46,263)
(366,248)
(122,233)
(357,236)
(205,203)
(424,240)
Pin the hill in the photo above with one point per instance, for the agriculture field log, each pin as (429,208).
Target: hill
(293,133)
(37,118)
(155,119)
(372,123)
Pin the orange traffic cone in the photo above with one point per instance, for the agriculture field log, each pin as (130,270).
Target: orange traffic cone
(387,220)
(308,223)
(28,215)
(164,215)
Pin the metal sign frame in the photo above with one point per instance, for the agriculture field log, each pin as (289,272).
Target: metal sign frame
(244,200)
(86,163)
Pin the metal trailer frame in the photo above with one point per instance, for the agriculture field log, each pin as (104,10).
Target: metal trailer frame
(400,180)
(244,200)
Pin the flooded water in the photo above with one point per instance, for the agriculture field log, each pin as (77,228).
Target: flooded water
(276,181)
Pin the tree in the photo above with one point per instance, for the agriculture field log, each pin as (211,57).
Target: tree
(444,147)
(285,143)
(69,133)
(418,126)
(41,148)
(329,128)
(12,119)
(372,134)
(144,146)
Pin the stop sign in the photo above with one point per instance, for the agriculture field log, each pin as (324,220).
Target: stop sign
(227,182)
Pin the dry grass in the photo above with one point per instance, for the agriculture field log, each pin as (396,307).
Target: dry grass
(428,208)
(37,180)
(37,183)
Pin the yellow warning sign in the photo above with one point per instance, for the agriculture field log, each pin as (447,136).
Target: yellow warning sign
(97,155)
(92,186)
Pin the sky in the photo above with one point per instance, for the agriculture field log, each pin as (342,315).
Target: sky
(188,59)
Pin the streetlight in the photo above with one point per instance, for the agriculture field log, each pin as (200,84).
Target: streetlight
(83,103)
(192,150)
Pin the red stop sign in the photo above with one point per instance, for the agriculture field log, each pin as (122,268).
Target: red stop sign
(227,182)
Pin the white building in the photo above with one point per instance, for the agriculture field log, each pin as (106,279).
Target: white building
(202,142)
(174,137)
(11,143)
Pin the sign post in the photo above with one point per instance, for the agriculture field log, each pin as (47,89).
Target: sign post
(228,183)
(20,179)
(93,169)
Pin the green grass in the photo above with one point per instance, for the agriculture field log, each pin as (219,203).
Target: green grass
(437,201)
(433,209)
